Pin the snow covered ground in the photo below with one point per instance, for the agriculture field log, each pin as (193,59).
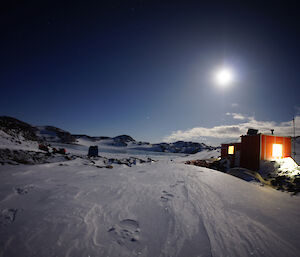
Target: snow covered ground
(162,208)
(125,204)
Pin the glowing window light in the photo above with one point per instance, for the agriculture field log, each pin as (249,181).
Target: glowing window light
(277,151)
(231,149)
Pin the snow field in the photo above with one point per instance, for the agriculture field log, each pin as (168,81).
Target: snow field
(164,208)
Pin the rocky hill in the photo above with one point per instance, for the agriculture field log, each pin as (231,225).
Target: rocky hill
(18,129)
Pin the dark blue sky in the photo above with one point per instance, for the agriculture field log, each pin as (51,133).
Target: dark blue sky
(144,68)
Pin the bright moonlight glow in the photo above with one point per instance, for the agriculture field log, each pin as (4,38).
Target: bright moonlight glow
(224,77)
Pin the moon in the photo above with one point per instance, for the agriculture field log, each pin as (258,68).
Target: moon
(224,77)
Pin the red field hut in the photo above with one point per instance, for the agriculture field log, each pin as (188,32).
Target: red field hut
(255,148)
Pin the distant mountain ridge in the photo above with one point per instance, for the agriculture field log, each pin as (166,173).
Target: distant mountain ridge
(18,129)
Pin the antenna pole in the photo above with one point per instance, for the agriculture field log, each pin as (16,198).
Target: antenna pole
(294,138)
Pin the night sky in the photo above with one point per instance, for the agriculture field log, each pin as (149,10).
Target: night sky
(144,68)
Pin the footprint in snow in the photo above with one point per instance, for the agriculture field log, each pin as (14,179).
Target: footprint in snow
(7,216)
(22,190)
(126,232)
(166,196)
(63,164)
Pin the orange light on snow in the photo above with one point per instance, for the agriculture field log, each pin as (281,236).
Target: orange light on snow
(231,149)
(277,151)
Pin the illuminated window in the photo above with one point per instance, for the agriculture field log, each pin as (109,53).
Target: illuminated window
(231,149)
(277,151)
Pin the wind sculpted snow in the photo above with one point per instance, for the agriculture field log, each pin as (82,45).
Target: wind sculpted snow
(162,208)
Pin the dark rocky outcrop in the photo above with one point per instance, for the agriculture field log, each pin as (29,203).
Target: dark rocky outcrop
(15,128)
(16,157)
(122,140)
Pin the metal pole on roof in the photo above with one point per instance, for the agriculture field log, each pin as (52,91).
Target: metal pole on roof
(294,138)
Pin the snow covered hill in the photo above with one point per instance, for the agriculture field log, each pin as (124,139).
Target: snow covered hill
(53,134)
(18,132)
(15,134)
(162,208)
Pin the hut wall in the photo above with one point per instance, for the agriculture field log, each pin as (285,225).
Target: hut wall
(267,142)
(250,152)
(235,157)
